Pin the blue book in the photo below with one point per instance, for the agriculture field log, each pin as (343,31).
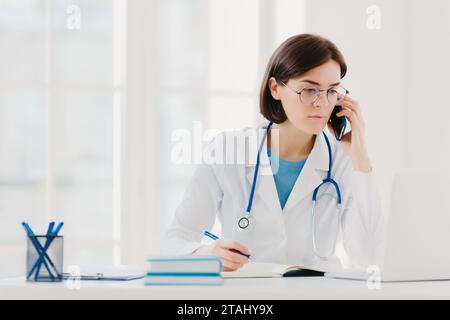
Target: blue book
(184,270)
(183,280)
(189,264)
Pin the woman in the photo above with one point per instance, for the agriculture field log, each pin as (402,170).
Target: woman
(300,89)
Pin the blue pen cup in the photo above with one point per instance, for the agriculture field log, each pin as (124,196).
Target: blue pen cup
(45,258)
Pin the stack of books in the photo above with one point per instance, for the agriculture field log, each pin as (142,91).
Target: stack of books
(184,270)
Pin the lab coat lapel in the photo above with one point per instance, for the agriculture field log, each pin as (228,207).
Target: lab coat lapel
(312,174)
(265,185)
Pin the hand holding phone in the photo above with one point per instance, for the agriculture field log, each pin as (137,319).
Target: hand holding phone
(338,123)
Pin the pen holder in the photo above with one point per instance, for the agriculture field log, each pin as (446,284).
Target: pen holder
(45,258)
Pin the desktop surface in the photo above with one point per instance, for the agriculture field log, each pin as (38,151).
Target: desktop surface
(233,289)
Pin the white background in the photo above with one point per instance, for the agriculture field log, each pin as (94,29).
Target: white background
(87,115)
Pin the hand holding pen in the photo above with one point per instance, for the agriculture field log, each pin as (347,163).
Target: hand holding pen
(232,253)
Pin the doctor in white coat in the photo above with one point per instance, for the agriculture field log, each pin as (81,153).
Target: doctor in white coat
(300,89)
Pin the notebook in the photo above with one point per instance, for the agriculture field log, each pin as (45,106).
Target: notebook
(111,273)
(270,270)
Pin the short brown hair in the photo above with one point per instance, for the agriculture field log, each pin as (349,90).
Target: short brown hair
(294,57)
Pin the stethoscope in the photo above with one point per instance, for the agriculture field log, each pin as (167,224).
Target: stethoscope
(247,221)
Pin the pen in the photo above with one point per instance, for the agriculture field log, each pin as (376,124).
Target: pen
(51,235)
(214,237)
(40,261)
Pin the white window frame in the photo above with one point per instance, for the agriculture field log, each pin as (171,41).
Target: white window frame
(117,88)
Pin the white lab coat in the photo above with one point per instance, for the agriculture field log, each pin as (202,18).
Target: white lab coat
(281,236)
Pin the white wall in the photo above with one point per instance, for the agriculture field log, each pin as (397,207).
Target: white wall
(428,109)
(391,70)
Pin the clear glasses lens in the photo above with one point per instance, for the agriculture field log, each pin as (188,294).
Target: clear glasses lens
(311,95)
(336,94)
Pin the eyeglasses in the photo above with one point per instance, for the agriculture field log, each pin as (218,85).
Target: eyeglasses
(310,95)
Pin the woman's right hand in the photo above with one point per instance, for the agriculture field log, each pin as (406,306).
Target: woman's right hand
(223,249)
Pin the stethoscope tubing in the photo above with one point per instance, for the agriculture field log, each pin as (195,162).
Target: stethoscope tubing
(328,179)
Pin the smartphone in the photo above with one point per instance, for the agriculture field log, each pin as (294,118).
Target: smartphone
(338,123)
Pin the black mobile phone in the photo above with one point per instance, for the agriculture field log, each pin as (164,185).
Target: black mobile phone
(338,123)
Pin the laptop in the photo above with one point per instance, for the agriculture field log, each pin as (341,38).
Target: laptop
(418,232)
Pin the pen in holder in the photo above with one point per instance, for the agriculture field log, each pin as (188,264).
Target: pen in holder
(44,255)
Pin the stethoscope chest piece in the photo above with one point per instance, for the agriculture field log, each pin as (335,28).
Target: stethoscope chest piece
(246,223)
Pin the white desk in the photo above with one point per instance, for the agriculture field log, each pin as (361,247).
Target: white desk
(238,289)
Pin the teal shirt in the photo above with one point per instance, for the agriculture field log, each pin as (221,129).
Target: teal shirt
(288,172)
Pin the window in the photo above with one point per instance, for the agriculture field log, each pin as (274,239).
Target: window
(61,95)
